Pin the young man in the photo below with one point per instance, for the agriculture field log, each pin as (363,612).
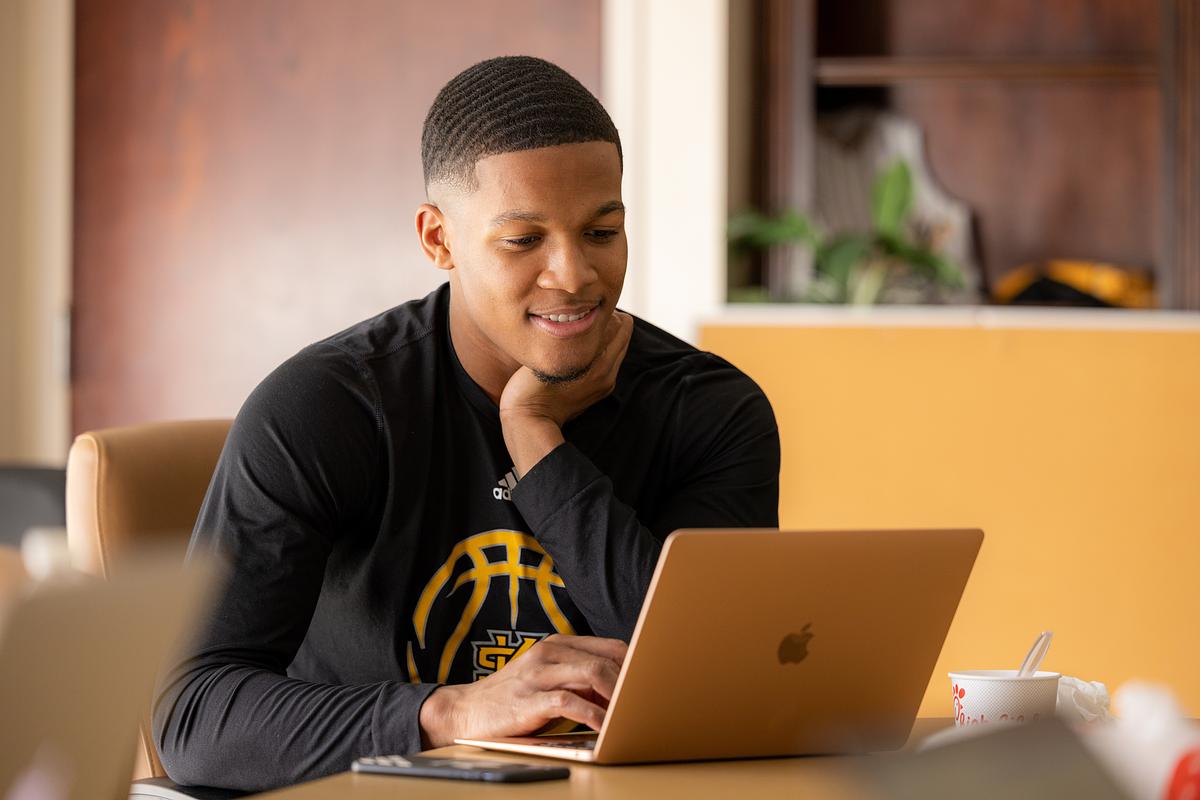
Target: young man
(443,521)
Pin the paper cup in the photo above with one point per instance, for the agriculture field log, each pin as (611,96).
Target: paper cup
(980,696)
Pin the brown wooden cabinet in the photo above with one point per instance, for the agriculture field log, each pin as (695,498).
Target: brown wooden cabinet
(1071,127)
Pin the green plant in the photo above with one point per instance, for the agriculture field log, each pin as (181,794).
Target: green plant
(853,267)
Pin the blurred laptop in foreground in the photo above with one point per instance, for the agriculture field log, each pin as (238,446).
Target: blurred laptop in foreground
(78,660)
(1041,760)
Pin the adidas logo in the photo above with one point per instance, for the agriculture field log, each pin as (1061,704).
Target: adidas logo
(504,486)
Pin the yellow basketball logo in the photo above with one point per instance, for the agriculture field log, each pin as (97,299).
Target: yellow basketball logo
(479,575)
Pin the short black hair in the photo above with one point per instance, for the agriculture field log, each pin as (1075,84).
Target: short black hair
(504,105)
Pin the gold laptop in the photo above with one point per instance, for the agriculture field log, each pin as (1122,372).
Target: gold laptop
(777,643)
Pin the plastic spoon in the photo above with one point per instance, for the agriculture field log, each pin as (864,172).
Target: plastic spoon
(1036,655)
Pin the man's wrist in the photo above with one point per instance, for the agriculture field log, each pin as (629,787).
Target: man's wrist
(529,438)
(438,718)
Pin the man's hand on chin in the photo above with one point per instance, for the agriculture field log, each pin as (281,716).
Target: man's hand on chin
(532,413)
(571,677)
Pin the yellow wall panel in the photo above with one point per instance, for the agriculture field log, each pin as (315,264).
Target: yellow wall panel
(1076,451)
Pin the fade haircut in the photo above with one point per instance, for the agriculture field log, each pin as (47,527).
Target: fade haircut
(505,105)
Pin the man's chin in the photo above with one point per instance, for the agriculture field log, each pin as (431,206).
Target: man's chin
(563,372)
(561,376)
(563,366)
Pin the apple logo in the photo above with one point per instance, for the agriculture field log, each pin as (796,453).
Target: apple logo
(794,647)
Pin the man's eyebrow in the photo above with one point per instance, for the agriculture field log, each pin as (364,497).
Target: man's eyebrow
(608,208)
(532,216)
(516,216)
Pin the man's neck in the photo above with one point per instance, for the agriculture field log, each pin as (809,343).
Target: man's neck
(477,354)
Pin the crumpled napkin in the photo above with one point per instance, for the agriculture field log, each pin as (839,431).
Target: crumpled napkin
(1082,701)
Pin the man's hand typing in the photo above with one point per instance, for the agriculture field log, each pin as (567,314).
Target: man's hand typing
(571,677)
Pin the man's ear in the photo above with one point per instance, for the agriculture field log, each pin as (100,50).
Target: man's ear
(432,234)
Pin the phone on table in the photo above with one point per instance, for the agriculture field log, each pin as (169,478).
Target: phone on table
(462,769)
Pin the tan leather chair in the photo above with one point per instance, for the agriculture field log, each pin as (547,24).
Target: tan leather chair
(134,487)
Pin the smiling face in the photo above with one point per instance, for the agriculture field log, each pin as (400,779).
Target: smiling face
(536,253)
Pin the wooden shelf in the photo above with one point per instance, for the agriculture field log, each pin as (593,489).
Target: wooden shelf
(1099,128)
(882,71)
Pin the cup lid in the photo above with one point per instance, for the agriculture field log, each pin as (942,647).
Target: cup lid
(1003,675)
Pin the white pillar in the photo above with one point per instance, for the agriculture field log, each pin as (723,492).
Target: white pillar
(665,82)
(35,232)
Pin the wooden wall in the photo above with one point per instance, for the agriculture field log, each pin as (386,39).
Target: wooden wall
(246,175)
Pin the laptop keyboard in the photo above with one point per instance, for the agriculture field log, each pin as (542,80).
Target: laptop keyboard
(573,744)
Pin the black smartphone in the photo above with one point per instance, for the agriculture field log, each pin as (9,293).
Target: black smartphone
(462,769)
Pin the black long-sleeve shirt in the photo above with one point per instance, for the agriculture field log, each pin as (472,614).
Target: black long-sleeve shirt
(379,544)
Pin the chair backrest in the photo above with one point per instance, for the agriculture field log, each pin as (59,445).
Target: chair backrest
(138,486)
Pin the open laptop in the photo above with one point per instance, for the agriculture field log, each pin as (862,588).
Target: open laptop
(78,659)
(777,643)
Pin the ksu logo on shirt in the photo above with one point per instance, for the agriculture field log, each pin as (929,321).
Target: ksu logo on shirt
(504,487)
(503,647)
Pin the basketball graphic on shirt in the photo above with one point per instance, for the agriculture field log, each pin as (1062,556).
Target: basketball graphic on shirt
(505,577)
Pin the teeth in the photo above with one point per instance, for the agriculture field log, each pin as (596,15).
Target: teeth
(564,317)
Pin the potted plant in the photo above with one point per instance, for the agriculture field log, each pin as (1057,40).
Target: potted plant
(854,268)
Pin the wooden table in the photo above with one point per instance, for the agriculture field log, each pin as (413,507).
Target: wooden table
(824,777)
